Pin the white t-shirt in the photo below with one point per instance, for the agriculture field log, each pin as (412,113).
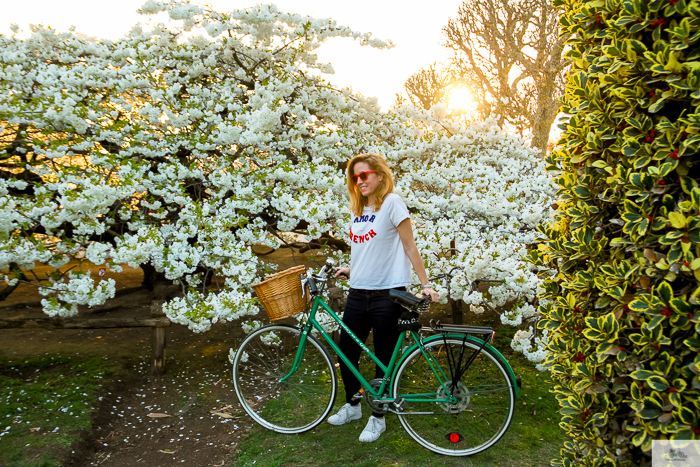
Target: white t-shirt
(378,259)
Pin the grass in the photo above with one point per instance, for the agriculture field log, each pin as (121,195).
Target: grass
(44,404)
(534,438)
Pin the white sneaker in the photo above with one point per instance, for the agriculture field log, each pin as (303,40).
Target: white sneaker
(375,427)
(346,414)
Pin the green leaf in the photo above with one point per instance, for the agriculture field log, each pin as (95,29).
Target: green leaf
(657,383)
(642,162)
(610,324)
(638,305)
(685,415)
(655,321)
(681,306)
(638,339)
(594,335)
(677,219)
(582,192)
(665,291)
(656,106)
(695,194)
(632,217)
(642,375)
(648,414)
(667,167)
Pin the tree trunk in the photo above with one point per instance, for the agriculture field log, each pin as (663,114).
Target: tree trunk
(547,109)
(151,277)
(457,317)
(456,305)
(19,274)
(161,288)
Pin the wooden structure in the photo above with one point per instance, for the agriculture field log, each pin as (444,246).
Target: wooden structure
(157,322)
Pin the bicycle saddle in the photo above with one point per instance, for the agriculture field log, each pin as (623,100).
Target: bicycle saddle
(406,298)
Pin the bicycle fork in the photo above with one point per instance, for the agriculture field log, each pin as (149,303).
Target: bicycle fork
(303,335)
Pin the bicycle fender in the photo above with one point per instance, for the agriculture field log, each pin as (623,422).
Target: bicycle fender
(488,346)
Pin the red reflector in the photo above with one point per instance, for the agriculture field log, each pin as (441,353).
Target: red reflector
(454,437)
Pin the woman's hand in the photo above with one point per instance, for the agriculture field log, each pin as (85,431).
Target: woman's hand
(344,272)
(433,294)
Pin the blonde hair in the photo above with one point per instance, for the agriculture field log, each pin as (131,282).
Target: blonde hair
(386,186)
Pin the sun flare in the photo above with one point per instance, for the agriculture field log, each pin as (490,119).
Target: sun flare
(460,99)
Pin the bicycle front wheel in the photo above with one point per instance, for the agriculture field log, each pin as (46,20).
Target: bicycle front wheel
(303,399)
(481,400)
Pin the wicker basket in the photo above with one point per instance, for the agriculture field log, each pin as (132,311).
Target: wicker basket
(280,293)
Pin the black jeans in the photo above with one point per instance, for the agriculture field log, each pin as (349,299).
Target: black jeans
(366,310)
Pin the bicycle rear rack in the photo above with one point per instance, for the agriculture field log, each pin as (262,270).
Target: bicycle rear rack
(437,326)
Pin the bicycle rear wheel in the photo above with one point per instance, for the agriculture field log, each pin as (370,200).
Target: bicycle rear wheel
(299,403)
(484,397)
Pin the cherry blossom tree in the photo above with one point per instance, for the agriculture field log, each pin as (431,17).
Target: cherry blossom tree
(178,147)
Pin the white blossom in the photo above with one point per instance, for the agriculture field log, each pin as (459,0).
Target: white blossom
(179,150)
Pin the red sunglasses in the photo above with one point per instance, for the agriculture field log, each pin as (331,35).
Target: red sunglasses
(362,176)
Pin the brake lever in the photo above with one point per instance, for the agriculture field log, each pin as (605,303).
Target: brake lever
(304,281)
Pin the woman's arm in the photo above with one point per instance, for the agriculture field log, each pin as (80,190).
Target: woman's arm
(409,246)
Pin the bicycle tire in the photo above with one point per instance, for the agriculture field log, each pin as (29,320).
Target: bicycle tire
(300,403)
(485,406)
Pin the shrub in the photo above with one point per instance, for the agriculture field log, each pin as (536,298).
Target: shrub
(621,303)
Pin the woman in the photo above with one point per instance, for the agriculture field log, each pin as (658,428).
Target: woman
(382,252)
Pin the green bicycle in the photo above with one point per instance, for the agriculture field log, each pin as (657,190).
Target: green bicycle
(452,391)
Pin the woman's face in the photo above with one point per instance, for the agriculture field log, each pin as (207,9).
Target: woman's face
(369,186)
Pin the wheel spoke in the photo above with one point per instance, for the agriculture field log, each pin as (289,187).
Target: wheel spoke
(299,403)
(483,398)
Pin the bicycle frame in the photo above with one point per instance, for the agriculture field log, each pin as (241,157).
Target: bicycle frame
(389,371)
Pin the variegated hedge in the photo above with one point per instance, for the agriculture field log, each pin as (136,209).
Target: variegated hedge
(622,306)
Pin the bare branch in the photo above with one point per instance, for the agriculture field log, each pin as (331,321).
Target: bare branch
(511,52)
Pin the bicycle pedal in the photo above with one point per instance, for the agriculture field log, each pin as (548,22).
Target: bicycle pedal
(399,404)
(358,396)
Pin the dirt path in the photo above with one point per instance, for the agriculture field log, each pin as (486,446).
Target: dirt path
(204,422)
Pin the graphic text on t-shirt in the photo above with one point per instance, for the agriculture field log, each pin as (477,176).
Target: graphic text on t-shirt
(366,218)
(362,238)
